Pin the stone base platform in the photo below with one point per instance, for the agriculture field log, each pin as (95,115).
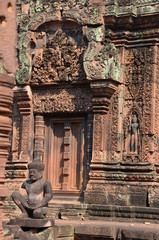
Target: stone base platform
(32,223)
(89,230)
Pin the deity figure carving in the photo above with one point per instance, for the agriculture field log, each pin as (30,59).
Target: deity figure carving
(39,193)
(132,139)
(134,132)
(132,136)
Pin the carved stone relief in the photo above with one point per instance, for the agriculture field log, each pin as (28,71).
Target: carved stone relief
(22,124)
(136,103)
(138,82)
(135,74)
(132,144)
(16,132)
(61,59)
(101,60)
(62,100)
(112,128)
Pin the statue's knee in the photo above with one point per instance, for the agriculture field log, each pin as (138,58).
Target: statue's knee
(37,213)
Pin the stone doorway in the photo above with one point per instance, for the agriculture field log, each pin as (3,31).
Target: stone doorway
(65,155)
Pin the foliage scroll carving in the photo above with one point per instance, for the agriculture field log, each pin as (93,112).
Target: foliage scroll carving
(62,100)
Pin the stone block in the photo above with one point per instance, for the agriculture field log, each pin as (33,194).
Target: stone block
(100,232)
(153,196)
(136,235)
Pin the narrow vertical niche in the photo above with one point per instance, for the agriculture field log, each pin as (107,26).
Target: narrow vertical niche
(2,20)
(9,7)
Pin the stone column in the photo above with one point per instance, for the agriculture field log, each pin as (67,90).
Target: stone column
(6,100)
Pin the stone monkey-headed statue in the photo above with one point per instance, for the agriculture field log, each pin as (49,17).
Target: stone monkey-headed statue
(39,193)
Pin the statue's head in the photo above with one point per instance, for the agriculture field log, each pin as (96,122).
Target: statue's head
(134,118)
(36,170)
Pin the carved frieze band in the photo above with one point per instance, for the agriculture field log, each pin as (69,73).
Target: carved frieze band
(62,100)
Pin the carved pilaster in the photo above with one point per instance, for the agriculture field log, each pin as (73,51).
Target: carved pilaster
(102,92)
(23,96)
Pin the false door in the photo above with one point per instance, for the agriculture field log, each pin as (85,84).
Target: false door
(65,155)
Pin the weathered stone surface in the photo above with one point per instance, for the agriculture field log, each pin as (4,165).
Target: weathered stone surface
(18,233)
(89,232)
(8,61)
(101,62)
(90,108)
(32,223)
(108,213)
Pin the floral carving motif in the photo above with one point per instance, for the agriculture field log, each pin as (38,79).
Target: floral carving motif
(135,71)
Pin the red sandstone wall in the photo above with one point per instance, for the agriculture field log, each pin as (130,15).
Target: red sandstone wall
(8,36)
(7,71)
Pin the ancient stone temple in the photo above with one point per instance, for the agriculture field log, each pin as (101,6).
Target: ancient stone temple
(86,103)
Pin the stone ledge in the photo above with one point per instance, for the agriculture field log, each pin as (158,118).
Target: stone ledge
(109,212)
(32,223)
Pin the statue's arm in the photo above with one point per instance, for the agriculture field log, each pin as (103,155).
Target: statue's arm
(48,193)
(23,185)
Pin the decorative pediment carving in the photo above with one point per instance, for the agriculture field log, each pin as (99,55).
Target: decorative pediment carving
(61,60)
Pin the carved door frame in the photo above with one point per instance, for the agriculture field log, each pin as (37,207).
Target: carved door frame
(50,121)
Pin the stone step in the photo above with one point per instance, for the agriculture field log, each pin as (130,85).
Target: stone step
(104,212)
